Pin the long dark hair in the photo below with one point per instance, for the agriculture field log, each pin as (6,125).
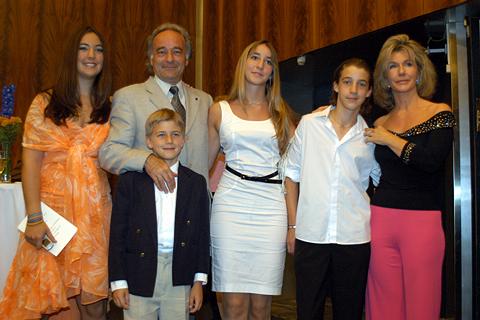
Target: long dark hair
(64,97)
(361,64)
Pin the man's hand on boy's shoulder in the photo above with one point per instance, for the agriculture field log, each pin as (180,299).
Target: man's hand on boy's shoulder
(196,297)
(121,298)
(160,173)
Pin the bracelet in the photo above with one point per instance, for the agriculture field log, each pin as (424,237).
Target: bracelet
(292,226)
(35,218)
(34,223)
(35,214)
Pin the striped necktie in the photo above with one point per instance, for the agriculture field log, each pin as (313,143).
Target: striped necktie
(177,104)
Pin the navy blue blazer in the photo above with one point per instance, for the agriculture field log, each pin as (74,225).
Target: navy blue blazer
(133,232)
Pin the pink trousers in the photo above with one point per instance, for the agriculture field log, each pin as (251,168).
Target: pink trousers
(405,273)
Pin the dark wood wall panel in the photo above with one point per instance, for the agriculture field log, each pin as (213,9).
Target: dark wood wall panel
(22,48)
(399,10)
(433,5)
(182,12)
(35,31)
(130,26)
(96,13)
(294,27)
(3,39)
(57,20)
(328,24)
(365,15)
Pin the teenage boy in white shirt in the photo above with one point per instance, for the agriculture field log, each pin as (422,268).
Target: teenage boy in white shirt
(327,175)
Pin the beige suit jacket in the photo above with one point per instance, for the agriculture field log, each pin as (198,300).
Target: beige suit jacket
(125,148)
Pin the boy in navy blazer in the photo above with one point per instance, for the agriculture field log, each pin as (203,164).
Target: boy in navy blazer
(159,242)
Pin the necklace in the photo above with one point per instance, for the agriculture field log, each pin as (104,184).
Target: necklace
(251,103)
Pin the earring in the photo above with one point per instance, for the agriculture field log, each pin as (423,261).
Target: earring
(417,82)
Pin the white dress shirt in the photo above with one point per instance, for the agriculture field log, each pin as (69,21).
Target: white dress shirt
(165,87)
(165,205)
(333,206)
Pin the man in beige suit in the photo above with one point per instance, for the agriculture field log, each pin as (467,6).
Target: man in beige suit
(168,50)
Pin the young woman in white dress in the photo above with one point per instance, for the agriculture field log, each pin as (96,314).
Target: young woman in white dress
(249,218)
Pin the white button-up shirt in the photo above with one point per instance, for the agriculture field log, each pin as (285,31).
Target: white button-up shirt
(165,204)
(333,176)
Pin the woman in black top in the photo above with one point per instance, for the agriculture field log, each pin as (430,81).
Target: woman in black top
(413,141)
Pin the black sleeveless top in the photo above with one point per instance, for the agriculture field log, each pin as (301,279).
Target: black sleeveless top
(414,180)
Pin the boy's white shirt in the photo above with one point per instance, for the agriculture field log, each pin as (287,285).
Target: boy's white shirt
(333,206)
(165,204)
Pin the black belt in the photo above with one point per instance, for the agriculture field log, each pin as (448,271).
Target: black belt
(266,179)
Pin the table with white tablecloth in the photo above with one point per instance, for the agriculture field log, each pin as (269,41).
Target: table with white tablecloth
(12,211)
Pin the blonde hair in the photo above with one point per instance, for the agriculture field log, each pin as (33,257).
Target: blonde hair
(281,114)
(427,76)
(160,116)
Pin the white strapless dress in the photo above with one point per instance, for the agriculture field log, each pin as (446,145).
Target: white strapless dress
(249,219)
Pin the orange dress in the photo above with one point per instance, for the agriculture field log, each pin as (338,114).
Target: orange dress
(73,184)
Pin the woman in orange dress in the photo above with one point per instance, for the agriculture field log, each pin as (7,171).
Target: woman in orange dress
(64,128)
